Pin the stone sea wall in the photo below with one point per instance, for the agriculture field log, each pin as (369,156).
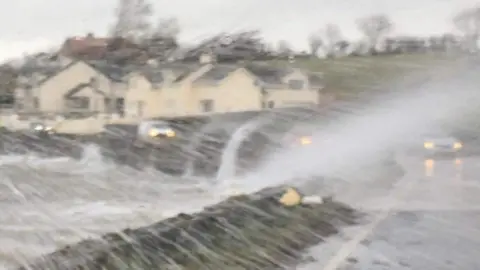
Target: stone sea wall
(269,229)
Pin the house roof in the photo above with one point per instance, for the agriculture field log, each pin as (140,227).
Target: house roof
(54,72)
(79,87)
(157,74)
(89,45)
(268,74)
(217,73)
(179,70)
(112,72)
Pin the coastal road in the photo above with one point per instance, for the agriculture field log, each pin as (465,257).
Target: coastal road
(431,220)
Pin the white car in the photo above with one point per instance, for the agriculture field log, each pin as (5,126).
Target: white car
(156,132)
(41,128)
(438,145)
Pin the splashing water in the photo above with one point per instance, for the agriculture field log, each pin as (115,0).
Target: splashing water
(359,138)
(364,134)
(228,161)
(51,202)
(194,144)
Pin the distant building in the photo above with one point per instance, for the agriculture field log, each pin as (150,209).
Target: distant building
(165,89)
(87,47)
(83,87)
(209,87)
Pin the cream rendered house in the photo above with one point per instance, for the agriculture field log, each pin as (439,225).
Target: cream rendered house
(287,87)
(159,91)
(54,94)
(143,95)
(297,89)
(224,88)
(208,88)
(234,88)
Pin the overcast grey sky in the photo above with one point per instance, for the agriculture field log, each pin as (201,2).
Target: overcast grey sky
(29,25)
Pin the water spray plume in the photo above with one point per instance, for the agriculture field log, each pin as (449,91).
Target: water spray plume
(363,134)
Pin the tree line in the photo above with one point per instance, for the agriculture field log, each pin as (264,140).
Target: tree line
(377,28)
(133,20)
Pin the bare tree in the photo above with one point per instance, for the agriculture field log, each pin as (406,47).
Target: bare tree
(332,36)
(467,22)
(315,42)
(132,19)
(327,38)
(162,41)
(374,28)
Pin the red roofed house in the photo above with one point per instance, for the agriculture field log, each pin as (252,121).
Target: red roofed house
(88,47)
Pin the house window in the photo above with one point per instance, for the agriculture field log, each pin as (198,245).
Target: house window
(79,103)
(296,84)
(140,108)
(271,104)
(107,103)
(120,106)
(111,105)
(36,103)
(206,105)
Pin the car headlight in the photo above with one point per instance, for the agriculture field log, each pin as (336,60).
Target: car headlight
(170,133)
(457,145)
(305,140)
(153,132)
(428,145)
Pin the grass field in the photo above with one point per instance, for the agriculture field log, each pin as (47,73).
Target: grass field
(347,76)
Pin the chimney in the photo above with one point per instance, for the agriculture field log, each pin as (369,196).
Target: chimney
(90,36)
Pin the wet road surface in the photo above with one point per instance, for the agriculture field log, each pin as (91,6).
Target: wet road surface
(431,220)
